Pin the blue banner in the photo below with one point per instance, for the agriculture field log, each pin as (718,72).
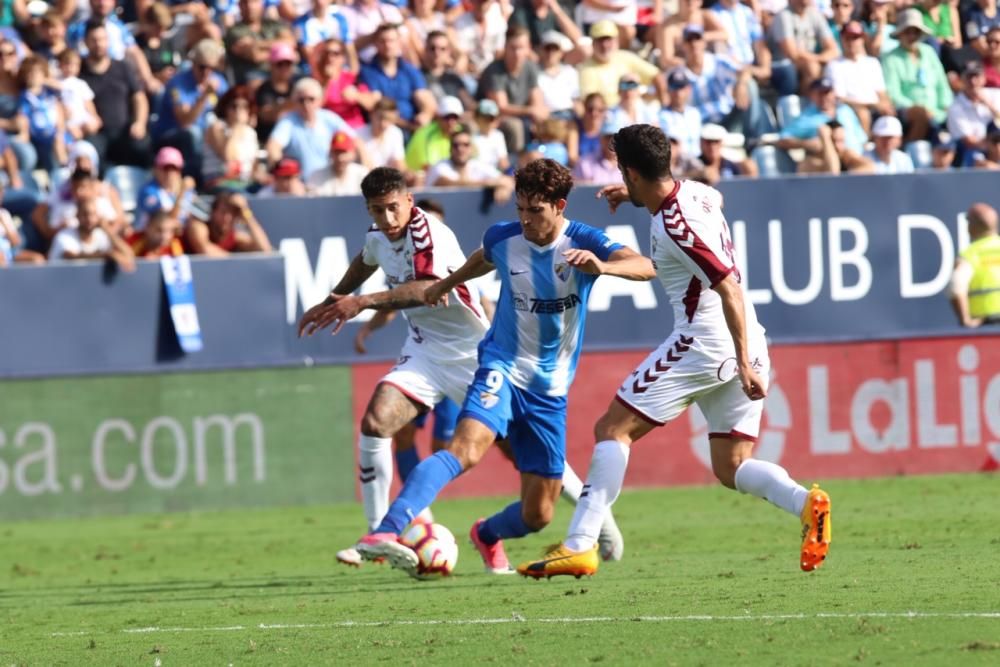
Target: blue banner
(178,282)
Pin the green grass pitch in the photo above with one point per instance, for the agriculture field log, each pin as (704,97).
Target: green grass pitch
(710,577)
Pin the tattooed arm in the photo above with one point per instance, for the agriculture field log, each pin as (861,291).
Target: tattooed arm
(338,309)
(355,276)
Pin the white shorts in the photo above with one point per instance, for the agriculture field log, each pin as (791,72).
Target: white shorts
(683,370)
(427,380)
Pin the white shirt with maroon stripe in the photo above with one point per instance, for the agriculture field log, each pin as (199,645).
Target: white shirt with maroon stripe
(429,250)
(692,252)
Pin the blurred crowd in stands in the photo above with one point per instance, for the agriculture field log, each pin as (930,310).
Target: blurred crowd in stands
(139,128)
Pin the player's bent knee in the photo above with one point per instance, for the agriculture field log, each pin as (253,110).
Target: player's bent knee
(376,425)
(468,452)
(725,472)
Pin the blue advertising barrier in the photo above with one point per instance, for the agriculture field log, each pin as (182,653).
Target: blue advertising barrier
(77,318)
(826,259)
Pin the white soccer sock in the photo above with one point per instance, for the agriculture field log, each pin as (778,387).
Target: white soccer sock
(572,485)
(375,463)
(604,483)
(772,483)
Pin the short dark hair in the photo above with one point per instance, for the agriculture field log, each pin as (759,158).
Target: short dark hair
(545,179)
(431,206)
(92,25)
(382,181)
(385,27)
(516,30)
(834,124)
(644,148)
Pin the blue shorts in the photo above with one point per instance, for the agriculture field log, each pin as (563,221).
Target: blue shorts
(535,424)
(445,418)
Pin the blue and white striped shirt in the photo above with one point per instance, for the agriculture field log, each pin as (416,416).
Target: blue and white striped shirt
(310,30)
(712,90)
(537,331)
(743,28)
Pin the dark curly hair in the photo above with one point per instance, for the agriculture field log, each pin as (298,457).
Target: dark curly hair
(644,148)
(544,179)
(382,181)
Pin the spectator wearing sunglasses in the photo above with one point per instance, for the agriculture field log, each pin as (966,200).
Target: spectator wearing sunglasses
(305,133)
(188,102)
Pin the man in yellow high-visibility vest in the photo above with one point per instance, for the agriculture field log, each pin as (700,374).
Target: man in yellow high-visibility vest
(975,282)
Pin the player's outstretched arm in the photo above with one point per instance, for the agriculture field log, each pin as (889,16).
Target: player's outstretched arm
(735,311)
(614,194)
(623,263)
(473,268)
(327,311)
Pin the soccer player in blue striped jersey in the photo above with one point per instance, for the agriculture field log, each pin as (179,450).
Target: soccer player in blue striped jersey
(547,265)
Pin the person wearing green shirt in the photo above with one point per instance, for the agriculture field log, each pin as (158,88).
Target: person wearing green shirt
(915,79)
(432,143)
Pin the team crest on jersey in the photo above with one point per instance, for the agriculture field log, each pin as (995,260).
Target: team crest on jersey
(521,301)
(562,270)
(488,400)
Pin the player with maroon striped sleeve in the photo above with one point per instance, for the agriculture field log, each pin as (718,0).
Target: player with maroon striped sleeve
(715,357)
(414,249)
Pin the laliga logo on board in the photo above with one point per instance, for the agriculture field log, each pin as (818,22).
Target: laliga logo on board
(771,443)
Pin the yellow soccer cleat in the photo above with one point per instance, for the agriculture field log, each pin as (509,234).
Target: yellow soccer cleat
(817,529)
(560,560)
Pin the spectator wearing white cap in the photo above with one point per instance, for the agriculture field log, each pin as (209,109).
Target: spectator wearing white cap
(604,69)
(887,133)
(678,118)
(512,82)
(490,146)
(712,165)
(857,77)
(559,83)
(432,143)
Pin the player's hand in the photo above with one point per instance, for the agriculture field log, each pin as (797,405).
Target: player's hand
(360,338)
(436,294)
(335,311)
(614,194)
(584,260)
(753,386)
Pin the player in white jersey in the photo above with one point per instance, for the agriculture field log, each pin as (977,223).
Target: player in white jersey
(414,249)
(547,266)
(716,357)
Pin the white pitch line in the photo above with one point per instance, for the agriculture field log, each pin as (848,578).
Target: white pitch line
(517,618)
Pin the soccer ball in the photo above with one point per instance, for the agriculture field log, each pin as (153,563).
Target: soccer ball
(435,547)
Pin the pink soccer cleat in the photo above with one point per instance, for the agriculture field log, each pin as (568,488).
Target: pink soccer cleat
(494,557)
(376,546)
